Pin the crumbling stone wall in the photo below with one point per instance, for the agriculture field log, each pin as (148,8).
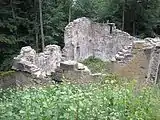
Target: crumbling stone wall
(73,72)
(23,79)
(84,38)
(38,64)
(154,65)
(145,61)
(136,68)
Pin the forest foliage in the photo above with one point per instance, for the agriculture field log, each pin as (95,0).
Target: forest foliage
(20,21)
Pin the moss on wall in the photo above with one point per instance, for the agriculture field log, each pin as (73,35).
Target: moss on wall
(6,73)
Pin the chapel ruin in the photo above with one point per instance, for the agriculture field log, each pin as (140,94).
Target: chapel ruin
(84,38)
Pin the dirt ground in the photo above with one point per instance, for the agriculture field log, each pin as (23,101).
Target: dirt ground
(137,68)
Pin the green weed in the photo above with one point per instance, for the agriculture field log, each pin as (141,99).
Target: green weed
(108,100)
(96,65)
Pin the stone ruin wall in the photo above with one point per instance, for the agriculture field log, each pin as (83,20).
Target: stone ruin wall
(153,75)
(39,64)
(84,38)
(144,63)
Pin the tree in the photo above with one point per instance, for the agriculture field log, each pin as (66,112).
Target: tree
(16,29)
(56,17)
(41,24)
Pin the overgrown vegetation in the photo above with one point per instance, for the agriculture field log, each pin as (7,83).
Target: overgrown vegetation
(97,65)
(111,99)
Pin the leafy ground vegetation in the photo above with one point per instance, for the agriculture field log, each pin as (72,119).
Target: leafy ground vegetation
(97,65)
(111,99)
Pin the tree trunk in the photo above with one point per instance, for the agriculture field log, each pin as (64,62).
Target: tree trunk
(70,10)
(123,16)
(13,14)
(37,47)
(14,17)
(36,26)
(134,28)
(41,24)
(69,18)
(134,19)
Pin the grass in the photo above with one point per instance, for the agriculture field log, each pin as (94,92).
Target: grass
(112,99)
(96,65)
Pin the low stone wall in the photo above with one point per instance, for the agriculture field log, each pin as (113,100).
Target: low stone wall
(73,72)
(23,79)
(39,64)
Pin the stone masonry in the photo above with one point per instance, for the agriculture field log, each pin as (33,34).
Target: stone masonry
(39,64)
(84,38)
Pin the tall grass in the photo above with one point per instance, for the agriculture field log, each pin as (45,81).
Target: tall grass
(108,100)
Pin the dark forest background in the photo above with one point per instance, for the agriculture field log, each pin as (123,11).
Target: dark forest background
(41,22)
